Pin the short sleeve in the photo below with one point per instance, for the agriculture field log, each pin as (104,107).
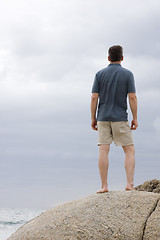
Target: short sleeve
(131,84)
(95,87)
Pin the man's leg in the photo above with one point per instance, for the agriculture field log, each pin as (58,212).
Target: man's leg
(103,166)
(129,165)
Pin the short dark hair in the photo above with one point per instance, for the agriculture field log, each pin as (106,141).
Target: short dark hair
(115,53)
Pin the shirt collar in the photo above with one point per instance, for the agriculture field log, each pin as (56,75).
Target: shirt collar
(114,64)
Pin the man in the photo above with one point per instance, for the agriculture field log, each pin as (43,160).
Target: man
(111,87)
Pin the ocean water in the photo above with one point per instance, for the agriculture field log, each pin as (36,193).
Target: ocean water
(13,218)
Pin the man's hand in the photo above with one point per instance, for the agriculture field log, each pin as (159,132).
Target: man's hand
(134,124)
(94,124)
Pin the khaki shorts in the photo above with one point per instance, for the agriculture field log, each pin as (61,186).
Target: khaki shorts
(119,132)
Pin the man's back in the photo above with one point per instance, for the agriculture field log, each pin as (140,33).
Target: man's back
(111,86)
(113,83)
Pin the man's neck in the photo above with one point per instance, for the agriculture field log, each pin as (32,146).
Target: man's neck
(119,62)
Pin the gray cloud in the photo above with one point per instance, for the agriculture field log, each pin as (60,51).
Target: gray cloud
(49,54)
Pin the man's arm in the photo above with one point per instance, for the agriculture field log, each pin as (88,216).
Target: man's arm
(133,106)
(94,102)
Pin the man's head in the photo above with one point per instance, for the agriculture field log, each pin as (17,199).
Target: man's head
(115,53)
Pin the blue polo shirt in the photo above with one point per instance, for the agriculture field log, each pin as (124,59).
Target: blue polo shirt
(113,83)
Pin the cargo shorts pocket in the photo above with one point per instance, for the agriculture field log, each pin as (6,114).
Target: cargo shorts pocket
(124,127)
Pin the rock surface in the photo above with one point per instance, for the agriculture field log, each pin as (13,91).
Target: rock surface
(150,186)
(153,224)
(110,216)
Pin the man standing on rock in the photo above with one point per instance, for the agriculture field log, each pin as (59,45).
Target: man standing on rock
(111,87)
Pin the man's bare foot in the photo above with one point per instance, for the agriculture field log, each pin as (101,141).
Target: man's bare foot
(102,190)
(130,188)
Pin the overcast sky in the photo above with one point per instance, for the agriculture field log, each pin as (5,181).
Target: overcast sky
(49,54)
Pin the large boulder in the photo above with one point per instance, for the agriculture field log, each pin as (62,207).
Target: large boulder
(150,186)
(152,229)
(109,216)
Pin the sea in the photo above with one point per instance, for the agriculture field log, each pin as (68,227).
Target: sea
(13,218)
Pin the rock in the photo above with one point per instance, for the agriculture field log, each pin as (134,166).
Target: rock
(111,216)
(150,186)
(152,230)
